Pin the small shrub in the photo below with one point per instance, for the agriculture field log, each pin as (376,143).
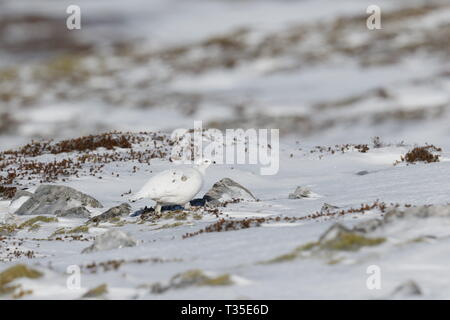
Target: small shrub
(421,154)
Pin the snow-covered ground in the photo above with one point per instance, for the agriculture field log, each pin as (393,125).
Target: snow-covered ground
(162,251)
(309,68)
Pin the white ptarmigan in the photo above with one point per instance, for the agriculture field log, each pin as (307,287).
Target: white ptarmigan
(174,186)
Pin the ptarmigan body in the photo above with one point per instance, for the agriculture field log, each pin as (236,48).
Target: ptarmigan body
(174,186)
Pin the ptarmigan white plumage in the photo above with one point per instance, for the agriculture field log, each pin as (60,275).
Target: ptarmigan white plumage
(174,186)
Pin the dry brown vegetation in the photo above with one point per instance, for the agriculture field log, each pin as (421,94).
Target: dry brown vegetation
(89,159)
(229,225)
(421,154)
(113,265)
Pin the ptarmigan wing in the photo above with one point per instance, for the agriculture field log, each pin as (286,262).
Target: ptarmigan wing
(170,184)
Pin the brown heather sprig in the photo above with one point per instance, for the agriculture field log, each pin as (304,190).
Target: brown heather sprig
(86,158)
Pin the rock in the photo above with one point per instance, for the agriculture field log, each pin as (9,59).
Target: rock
(368,225)
(301,192)
(407,289)
(21,193)
(334,232)
(19,199)
(227,190)
(49,199)
(76,212)
(417,212)
(338,237)
(118,211)
(396,214)
(328,208)
(192,278)
(96,292)
(111,239)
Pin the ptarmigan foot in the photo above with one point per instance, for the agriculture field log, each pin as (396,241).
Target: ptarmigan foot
(187,206)
(158,208)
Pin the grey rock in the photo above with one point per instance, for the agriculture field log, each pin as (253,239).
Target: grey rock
(49,199)
(407,289)
(76,212)
(334,232)
(368,225)
(118,211)
(301,192)
(396,214)
(21,193)
(417,212)
(111,239)
(328,208)
(183,280)
(227,190)
(339,237)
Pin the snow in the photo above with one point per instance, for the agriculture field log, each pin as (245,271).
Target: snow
(239,252)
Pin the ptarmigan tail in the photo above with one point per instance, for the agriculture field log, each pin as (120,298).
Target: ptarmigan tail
(136,197)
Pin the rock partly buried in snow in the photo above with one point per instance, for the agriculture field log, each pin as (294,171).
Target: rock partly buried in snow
(397,214)
(21,193)
(339,237)
(368,225)
(407,289)
(96,292)
(118,211)
(227,190)
(417,212)
(192,278)
(302,192)
(111,239)
(328,208)
(50,199)
(19,199)
(76,212)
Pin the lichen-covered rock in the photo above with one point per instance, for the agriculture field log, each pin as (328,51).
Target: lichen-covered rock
(368,225)
(76,212)
(96,292)
(118,211)
(338,237)
(50,199)
(192,278)
(111,239)
(227,190)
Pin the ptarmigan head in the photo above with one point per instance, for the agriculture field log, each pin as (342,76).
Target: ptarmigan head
(203,164)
